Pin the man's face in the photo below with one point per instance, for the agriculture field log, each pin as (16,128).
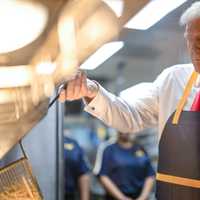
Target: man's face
(125,137)
(192,35)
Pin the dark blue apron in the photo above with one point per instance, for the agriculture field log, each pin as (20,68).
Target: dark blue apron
(178,176)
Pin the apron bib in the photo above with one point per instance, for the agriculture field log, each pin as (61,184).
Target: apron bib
(178,176)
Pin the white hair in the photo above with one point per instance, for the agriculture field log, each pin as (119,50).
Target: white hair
(192,13)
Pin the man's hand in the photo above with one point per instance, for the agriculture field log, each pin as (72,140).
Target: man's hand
(79,87)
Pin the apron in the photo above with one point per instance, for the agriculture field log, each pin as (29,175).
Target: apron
(178,176)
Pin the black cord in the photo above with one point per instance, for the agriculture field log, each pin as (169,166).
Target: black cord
(63,86)
(22,148)
(53,101)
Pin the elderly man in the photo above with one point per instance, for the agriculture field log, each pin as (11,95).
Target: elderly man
(178,174)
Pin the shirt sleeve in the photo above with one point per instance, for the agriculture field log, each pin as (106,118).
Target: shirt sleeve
(83,164)
(101,167)
(130,114)
(149,169)
(138,110)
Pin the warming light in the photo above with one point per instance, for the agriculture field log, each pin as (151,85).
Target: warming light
(15,76)
(45,68)
(21,23)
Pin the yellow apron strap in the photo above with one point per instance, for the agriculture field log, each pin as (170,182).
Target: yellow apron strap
(178,180)
(183,99)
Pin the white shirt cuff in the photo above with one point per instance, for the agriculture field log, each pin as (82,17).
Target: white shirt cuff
(98,104)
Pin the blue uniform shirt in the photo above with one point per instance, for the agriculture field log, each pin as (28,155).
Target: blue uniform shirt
(127,168)
(75,164)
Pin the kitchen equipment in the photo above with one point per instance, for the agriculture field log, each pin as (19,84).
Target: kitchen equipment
(17,181)
(26,85)
(29,75)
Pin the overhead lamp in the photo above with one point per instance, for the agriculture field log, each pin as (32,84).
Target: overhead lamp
(82,33)
(101,55)
(46,68)
(74,31)
(15,76)
(21,23)
(153,12)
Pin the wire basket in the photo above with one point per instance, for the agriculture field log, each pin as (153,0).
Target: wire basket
(17,181)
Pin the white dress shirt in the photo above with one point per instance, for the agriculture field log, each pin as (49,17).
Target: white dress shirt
(151,107)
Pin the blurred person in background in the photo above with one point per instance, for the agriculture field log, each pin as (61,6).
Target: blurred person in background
(76,171)
(178,167)
(124,169)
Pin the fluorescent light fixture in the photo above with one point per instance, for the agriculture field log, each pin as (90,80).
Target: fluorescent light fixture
(101,55)
(152,13)
(116,5)
(21,23)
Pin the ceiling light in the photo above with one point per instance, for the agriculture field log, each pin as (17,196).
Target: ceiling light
(21,23)
(152,13)
(101,55)
(116,5)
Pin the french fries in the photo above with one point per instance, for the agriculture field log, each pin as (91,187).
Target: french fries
(24,190)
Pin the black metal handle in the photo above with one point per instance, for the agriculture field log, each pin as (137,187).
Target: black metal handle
(63,86)
(22,148)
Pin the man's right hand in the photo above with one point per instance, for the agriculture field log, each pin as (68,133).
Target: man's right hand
(79,87)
